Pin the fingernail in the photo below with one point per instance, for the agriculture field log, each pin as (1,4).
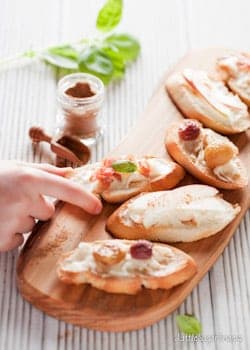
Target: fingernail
(68,168)
(67,171)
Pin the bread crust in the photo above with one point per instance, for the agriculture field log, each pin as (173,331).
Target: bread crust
(231,84)
(230,68)
(164,182)
(185,269)
(120,228)
(173,146)
(160,183)
(179,91)
(137,231)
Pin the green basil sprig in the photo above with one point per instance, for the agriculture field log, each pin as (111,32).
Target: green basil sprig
(94,60)
(105,56)
(124,166)
(127,46)
(188,324)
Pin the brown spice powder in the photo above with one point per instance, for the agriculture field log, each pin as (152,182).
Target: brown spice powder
(80,90)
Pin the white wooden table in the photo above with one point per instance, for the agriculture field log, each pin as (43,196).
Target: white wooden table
(166,29)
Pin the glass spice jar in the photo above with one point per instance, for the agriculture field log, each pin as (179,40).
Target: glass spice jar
(80,98)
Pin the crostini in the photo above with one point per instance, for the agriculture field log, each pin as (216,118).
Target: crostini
(118,179)
(235,71)
(201,97)
(122,266)
(185,214)
(209,156)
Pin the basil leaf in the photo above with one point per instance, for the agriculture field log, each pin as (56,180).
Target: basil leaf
(59,61)
(65,51)
(124,166)
(127,45)
(109,16)
(188,324)
(117,60)
(94,60)
(29,54)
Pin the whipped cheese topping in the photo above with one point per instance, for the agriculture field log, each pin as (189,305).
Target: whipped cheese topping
(162,262)
(83,176)
(213,137)
(195,148)
(237,68)
(229,64)
(242,82)
(185,211)
(159,167)
(229,171)
(127,180)
(233,112)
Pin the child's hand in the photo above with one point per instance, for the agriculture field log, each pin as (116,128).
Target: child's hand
(22,190)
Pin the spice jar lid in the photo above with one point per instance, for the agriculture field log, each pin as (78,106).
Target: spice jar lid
(82,96)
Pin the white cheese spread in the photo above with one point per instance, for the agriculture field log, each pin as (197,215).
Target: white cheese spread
(233,112)
(237,69)
(229,171)
(162,262)
(84,176)
(182,211)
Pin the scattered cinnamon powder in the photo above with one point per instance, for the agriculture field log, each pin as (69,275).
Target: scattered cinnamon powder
(52,245)
(190,222)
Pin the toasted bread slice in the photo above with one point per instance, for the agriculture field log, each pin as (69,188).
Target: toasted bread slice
(210,157)
(236,74)
(185,214)
(208,100)
(117,180)
(122,266)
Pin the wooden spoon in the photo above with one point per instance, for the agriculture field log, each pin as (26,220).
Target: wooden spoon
(66,147)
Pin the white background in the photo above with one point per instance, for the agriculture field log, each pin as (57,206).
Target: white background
(167,30)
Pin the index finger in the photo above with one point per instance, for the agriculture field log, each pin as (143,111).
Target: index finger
(67,191)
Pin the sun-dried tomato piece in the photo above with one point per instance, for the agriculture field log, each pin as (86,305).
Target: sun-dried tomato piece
(144,167)
(105,175)
(117,176)
(108,162)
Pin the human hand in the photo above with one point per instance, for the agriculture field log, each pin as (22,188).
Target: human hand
(22,190)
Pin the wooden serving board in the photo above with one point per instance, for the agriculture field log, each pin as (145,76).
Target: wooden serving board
(86,306)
